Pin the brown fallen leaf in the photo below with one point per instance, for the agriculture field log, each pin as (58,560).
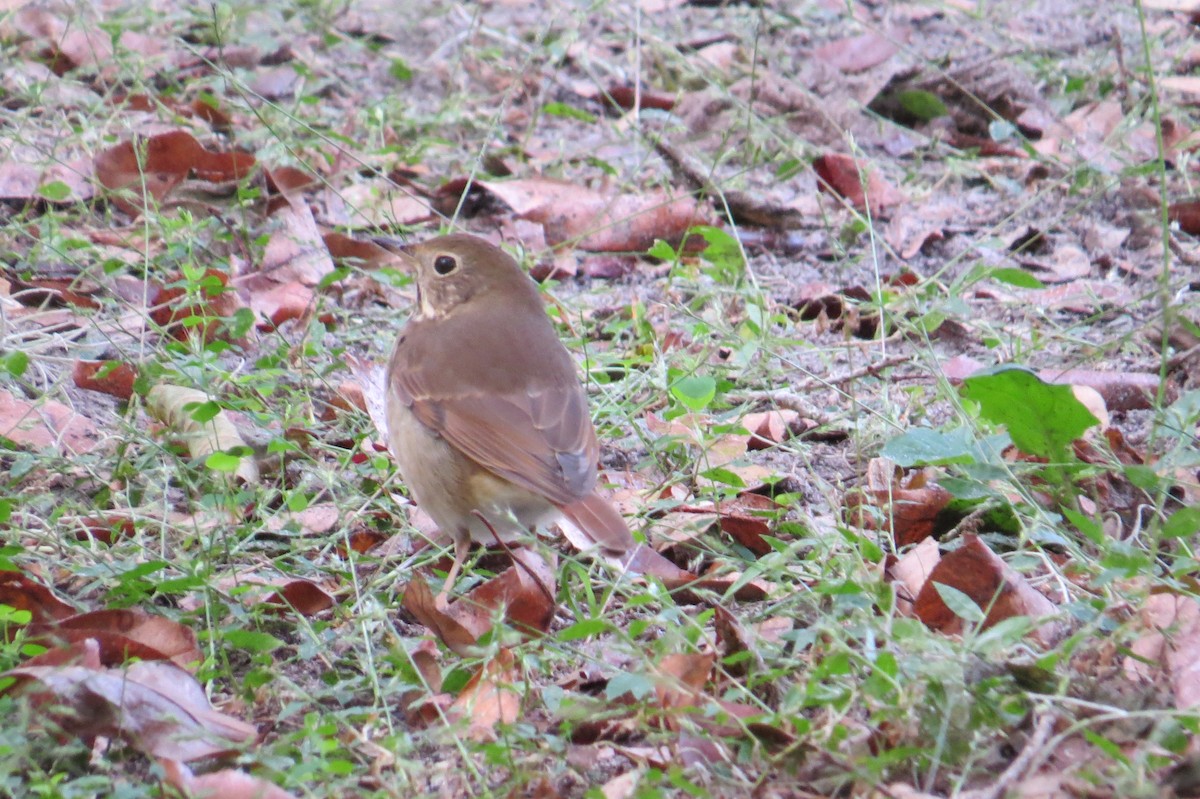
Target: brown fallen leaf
(581,216)
(860,185)
(525,592)
(1121,391)
(114,378)
(125,633)
(681,677)
(909,505)
(226,783)
(155,706)
(860,53)
(157,164)
(1187,215)
(991,583)
(21,593)
(909,573)
(47,425)
(489,697)
(458,635)
(1173,643)
(177,311)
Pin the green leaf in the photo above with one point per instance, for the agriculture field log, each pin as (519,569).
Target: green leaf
(203,411)
(723,253)
(695,391)
(1088,527)
(1183,522)
(924,447)
(922,104)
(960,604)
(638,685)
(1016,277)
(252,641)
(567,112)
(222,462)
(400,70)
(789,168)
(1042,418)
(584,629)
(662,251)
(15,363)
(55,191)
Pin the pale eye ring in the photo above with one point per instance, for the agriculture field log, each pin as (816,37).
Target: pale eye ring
(444,264)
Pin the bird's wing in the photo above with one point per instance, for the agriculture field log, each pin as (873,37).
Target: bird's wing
(539,436)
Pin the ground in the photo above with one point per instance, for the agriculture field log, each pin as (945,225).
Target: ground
(887,315)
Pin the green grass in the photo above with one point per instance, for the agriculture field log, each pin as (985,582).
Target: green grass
(851,694)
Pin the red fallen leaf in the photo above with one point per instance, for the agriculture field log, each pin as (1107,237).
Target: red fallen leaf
(305,596)
(36,290)
(451,631)
(910,505)
(215,303)
(860,53)
(226,783)
(991,583)
(157,707)
(488,698)
(682,677)
(19,592)
(1187,214)
(578,215)
(909,573)
(525,592)
(626,97)
(167,160)
(370,254)
(114,378)
(123,634)
(105,530)
(839,174)
(46,425)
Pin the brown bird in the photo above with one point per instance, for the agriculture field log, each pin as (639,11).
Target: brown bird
(485,410)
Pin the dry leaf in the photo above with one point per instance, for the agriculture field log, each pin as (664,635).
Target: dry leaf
(488,698)
(114,378)
(840,174)
(125,633)
(991,583)
(226,784)
(46,425)
(170,405)
(155,706)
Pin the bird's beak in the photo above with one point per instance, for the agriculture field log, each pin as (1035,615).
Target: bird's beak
(398,248)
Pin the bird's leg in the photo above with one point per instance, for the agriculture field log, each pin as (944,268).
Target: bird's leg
(461,545)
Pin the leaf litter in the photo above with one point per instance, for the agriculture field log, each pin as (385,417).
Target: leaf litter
(228,250)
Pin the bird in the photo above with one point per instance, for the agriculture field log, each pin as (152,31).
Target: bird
(487,419)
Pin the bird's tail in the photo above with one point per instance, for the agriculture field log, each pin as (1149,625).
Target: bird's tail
(601,523)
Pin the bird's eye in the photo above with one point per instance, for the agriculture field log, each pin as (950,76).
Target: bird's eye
(444,264)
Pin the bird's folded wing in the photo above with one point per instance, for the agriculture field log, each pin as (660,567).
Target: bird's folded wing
(541,439)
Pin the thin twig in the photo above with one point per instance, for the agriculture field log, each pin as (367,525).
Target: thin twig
(517,561)
(1021,763)
(792,398)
